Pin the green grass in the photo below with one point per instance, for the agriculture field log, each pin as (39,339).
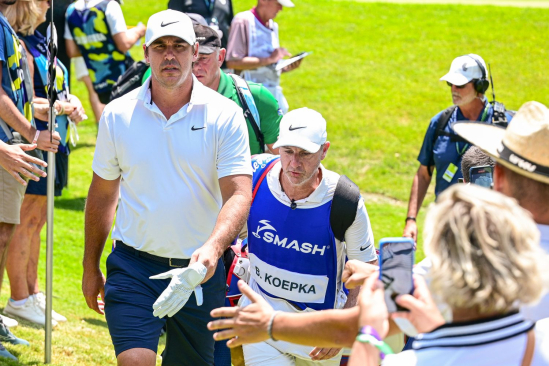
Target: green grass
(373,75)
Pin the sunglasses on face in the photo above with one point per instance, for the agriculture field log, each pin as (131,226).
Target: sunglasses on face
(457,86)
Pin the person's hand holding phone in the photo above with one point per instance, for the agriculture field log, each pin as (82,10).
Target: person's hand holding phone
(423,312)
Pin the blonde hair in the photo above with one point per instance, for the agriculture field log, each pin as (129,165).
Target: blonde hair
(484,249)
(23,16)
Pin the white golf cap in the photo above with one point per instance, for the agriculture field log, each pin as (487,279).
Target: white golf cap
(303,128)
(464,69)
(170,23)
(286,3)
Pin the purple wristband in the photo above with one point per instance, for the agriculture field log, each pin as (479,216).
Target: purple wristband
(371,331)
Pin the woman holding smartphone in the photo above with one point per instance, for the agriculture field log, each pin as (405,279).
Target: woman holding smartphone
(486,259)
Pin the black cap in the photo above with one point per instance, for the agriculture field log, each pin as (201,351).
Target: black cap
(207,38)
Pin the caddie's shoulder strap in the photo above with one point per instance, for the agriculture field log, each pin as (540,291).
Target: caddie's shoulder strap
(442,122)
(262,176)
(250,109)
(344,206)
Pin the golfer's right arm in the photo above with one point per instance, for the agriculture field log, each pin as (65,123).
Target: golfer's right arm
(99,216)
(100,210)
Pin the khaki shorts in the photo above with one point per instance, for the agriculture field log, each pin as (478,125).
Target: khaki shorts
(11,198)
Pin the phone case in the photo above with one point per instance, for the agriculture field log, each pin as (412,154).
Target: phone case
(386,241)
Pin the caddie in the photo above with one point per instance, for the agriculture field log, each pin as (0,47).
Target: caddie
(178,154)
(259,105)
(442,149)
(300,232)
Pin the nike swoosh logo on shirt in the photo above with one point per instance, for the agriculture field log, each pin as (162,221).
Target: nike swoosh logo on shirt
(363,248)
(163,25)
(196,129)
(296,128)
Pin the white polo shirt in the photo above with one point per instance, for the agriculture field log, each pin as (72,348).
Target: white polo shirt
(169,169)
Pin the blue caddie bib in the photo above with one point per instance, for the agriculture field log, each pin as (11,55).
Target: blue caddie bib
(293,253)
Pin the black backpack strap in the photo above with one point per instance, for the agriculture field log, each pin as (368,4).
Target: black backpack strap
(248,113)
(443,122)
(344,206)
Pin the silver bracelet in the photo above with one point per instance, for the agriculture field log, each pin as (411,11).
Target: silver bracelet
(270,327)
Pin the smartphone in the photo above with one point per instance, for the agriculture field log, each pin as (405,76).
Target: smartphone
(481,175)
(396,257)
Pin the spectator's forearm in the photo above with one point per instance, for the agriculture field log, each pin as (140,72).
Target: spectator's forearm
(125,40)
(419,190)
(249,63)
(327,328)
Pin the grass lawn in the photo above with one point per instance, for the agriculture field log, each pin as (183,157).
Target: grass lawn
(373,75)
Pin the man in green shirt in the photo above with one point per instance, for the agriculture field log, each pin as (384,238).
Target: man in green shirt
(207,70)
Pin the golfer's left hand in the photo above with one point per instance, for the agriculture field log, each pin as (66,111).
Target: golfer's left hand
(319,354)
(175,296)
(208,255)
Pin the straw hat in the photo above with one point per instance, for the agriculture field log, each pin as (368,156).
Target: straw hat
(523,147)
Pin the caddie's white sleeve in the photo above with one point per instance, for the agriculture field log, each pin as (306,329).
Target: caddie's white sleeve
(233,155)
(115,18)
(359,236)
(105,160)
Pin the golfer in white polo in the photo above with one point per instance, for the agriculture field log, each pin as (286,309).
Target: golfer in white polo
(178,153)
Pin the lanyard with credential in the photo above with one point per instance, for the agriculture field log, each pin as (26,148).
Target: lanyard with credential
(482,119)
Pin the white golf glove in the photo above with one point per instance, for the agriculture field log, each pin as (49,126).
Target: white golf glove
(175,296)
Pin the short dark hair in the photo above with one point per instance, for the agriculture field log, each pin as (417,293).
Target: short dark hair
(474,157)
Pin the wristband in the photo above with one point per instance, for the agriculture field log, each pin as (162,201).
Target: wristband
(36,137)
(270,327)
(369,335)
(410,218)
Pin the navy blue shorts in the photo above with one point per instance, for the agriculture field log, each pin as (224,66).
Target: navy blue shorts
(129,297)
(61,177)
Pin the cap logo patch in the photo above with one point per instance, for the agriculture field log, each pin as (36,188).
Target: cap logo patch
(296,128)
(166,24)
(464,67)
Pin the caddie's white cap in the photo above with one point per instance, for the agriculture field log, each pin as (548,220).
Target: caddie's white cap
(303,128)
(170,23)
(286,3)
(464,69)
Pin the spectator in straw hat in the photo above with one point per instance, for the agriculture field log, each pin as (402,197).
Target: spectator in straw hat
(522,168)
